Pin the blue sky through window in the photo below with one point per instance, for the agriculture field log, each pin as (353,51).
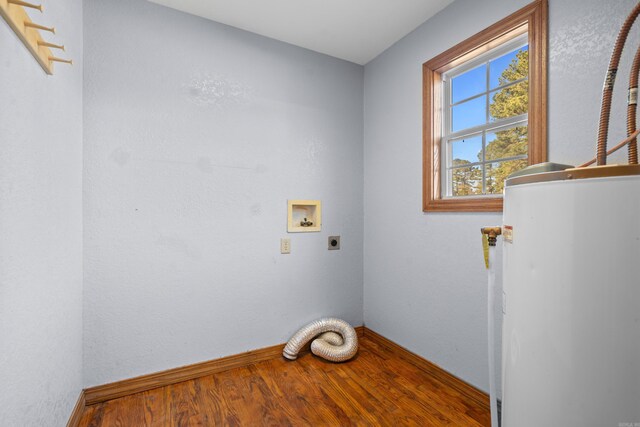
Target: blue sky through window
(467,148)
(468,114)
(473,82)
(468,84)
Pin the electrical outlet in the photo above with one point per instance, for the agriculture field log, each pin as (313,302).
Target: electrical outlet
(334,243)
(285,246)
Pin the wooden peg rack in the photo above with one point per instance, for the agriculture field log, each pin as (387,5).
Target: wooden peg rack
(13,11)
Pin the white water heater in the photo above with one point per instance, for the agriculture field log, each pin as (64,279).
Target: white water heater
(571,330)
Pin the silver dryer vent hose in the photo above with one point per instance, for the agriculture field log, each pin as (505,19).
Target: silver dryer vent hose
(335,340)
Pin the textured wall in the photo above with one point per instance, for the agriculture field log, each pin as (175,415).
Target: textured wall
(196,134)
(425,283)
(41,226)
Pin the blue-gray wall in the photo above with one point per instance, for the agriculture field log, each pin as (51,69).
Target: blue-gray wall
(196,134)
(41,226)
(425,283)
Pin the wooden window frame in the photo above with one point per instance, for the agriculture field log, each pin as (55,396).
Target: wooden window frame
(531,19)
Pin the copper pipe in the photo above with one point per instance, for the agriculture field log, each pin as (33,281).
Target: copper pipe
(632,107)
(609,81)
(614,149)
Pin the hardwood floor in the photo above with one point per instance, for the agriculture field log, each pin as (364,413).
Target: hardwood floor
(376,388)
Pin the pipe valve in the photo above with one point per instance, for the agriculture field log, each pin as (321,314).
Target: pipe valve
(492,233)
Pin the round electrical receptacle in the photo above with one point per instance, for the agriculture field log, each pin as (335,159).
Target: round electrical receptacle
(334,242)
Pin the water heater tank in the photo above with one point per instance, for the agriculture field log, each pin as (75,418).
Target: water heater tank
(571,328)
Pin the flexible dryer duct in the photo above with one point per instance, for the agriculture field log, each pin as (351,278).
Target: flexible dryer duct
(336,340)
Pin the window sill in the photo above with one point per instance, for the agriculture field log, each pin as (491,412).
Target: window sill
(488,204)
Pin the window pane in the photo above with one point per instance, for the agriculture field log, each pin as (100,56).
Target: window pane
(507,143)
(468,84)
(509,101)
(468,114)
(497,172)
(467,149)
(465,181)
(509,68)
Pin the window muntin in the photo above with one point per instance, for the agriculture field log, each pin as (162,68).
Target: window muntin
(485,109)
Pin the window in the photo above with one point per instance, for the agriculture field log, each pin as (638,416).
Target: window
(485,113)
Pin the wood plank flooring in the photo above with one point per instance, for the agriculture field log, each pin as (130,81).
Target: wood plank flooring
(377,388)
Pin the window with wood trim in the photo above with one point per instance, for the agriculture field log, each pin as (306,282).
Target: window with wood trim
(485,113)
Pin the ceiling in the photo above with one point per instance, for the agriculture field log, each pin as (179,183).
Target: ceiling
(354,30)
